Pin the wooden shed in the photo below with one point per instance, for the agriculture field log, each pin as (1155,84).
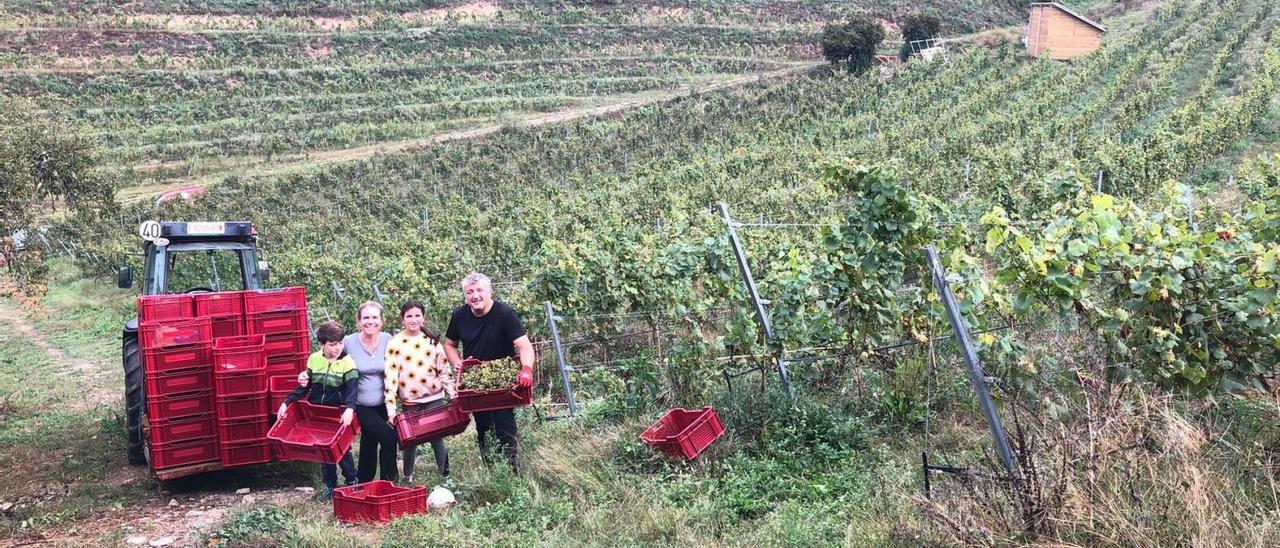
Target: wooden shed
(1061,32)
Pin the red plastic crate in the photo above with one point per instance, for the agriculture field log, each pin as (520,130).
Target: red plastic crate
(684,432)
(278,388)
(240,454)
(169,455)
(176,382)
(312,433)
(241,430)
(473,401)
(183,429)
(241,407)
(165,308)
(160,360)
(275,300)
(246,383)
(239,354)
(179,405)
(175,333)
(227,326)
(278,366)
(225,303)
(416,427)
(287,345)
(277,323)
(377,501)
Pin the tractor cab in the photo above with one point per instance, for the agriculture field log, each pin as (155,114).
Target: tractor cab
(197,257)
(181,257)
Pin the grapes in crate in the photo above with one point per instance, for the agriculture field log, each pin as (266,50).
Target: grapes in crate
(490,375)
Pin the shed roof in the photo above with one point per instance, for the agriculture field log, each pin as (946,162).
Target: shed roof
(1070,12)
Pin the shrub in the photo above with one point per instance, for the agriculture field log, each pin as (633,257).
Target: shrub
(918,26)
(852,43)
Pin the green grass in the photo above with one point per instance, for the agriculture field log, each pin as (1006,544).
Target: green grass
(63,453)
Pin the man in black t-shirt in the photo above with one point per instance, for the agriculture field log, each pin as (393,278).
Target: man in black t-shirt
(489,330)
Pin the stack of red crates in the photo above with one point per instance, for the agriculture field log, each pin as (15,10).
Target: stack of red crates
(280,316)
(240,389)
(209,361)
(178,363)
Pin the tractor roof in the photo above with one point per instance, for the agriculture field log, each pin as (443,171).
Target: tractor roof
(237,231)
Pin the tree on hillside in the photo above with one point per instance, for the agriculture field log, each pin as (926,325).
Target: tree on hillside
(918,26)
(852,43)
(45,165)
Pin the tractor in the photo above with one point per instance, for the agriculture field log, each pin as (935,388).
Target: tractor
(182,257)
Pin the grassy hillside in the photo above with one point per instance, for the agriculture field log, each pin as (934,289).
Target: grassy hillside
(184,92)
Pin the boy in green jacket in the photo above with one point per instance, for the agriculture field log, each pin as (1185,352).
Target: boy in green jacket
(331,380)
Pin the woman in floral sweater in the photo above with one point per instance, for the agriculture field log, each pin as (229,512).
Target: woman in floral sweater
(418,376)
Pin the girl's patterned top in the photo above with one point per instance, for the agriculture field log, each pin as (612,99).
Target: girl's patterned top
(416,371)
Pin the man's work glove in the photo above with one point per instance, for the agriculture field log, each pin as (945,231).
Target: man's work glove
(526,377)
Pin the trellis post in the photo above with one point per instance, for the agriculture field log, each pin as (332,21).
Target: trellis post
(564,369)
(976,376)
(761,313)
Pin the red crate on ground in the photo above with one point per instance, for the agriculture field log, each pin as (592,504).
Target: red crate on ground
(183,429)
(163,383)
(158,360)
(227,326)
(275,300)
(164,308)
(278,388)
(175,333)
(287,345)
(312,433)
(239,354)
(180,405)
(684,432)
(278,366)
(225,303)
(241,430)
(473,401)
(241,407)
(250,452)
(169,455)
(277,323)
(377,501)
(416,427)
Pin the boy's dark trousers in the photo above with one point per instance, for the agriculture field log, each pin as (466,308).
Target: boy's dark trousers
(330,471)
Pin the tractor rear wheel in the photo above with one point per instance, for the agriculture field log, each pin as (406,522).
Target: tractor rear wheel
(134,401)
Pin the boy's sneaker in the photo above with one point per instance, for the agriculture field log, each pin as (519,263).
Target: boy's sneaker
(326,494)
(406,480)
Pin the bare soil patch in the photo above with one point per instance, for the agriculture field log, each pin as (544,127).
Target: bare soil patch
(103,43)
